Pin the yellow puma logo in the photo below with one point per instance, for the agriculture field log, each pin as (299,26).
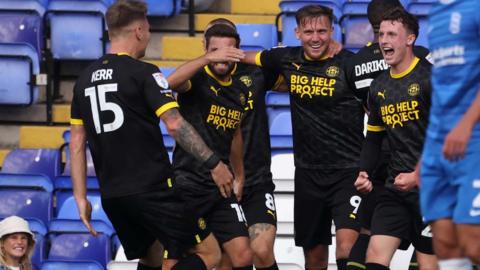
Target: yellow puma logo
(381,94)
(215,90)
(297,66)
(271,213)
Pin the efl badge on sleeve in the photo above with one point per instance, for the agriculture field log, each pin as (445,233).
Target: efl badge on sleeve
(161,80)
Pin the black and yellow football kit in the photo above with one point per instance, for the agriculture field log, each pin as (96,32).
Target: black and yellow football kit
(119,100)
(258,199)
(362,68)
(327,121)
(215,109)
(399,108)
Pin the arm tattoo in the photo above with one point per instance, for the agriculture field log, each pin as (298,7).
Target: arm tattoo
(188,138)
(256,229)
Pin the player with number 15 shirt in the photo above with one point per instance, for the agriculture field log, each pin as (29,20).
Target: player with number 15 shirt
(111,99)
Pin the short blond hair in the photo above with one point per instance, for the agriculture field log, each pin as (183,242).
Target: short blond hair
(122,13)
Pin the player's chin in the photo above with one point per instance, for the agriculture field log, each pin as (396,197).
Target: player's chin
(315,54)
(390,60)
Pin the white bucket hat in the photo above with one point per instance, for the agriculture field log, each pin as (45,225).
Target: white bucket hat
(14,224)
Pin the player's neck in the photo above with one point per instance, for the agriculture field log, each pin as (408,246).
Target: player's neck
(404,64)
(123,48)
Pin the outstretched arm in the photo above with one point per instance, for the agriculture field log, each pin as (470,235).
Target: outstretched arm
(250,58)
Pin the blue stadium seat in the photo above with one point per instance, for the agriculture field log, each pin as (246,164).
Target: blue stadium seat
(19,62)
(66,136)
(280,129)
(77,29)
(164,8)
(257,37)
(26,195)
(276,99)
(167,71)
(33,161)
(21,26)
(421,9)
(67,207)
(64,182)
(405,3)
(90,166)
(37,6)
(423,1)
(289,7)
(71,241)
(168,140)
(356,27)
(71,265)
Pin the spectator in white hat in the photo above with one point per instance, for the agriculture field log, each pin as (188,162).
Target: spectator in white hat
(16,244)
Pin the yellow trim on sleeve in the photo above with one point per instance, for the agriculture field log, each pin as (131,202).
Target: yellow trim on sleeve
(165,254)
(358,265)
(375,128)
(165,107)
(74,121)
(258,59)
(198,238)
(407,71)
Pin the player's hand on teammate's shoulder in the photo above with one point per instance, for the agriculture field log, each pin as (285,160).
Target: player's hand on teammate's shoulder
(457,140)
(334,48)
(85,212)
(406,181)
(363,183)
(223,178)
(225,54)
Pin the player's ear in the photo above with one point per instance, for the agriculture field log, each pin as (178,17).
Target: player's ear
(411,39)
(138,32)
(297,32)
(204,41)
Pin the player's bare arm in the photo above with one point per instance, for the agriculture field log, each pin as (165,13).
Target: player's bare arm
(178,80)
(79,174)
(458,138)
(236,159)
(187,137)
(250,58)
